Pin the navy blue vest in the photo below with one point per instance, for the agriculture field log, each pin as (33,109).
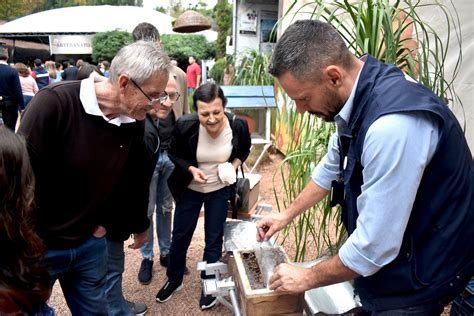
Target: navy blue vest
(436,258)
(42,77)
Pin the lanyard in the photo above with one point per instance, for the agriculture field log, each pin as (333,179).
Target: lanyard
(337,186)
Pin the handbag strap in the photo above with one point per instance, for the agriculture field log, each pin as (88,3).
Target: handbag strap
(241,168)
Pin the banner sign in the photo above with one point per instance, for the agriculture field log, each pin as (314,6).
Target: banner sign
(70,44)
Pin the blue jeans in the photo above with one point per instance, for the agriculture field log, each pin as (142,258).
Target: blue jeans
(185,220)
(43,310)
(27,99)
(160,196)
(116,304)
(81,273)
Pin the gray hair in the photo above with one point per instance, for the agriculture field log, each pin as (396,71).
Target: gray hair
(306,47)
(139,60)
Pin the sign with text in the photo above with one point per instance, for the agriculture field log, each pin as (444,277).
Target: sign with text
(70,44)
(248,22)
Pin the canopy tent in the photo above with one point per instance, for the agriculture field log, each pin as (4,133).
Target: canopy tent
(85,20)
(69,30)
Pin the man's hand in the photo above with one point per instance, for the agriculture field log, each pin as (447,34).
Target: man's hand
(99,232)
(291,279)
(294,279)
(139,240)
(270,224)
(198,175)
(310,196)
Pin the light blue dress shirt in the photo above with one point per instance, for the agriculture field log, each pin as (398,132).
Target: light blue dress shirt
(397,148)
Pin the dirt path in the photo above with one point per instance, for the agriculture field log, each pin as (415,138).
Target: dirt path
(184,302)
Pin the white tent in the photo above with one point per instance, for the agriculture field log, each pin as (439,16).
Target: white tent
(85,20)
(70,30)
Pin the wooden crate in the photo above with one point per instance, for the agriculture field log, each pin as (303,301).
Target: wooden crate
(262,301)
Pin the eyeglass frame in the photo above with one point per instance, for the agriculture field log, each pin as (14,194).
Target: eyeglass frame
(151,100)
(168,96)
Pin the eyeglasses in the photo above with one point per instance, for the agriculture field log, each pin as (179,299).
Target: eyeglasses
(161,99)
(173,96)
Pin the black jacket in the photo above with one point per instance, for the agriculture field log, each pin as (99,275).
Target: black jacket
(183,149)
(134,183)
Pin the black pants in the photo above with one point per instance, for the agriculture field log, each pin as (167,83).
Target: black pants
(430,309)
(9,111)
(186,216)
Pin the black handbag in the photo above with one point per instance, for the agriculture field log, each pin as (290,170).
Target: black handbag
(239,200)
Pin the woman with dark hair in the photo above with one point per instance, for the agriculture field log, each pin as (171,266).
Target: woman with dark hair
(207,147)
(87,70)
(24,284)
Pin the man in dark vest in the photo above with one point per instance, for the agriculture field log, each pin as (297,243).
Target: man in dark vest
(11,97)
(399,165)
(40,74)
(70,71)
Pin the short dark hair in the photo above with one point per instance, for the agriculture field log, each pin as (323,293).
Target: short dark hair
(85,71)
(145,31)
(106,64)
(207,93)
(37,62)
(306,47)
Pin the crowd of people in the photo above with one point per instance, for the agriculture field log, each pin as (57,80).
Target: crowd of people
(114,150)
(35,77)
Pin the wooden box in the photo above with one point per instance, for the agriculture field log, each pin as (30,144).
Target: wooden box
(259,302)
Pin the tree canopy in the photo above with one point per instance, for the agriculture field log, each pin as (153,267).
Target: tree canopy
(105,45)
(223,18)
(180,47)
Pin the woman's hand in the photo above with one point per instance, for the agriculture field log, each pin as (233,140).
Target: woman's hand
(198,175)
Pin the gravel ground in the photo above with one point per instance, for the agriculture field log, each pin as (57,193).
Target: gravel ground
(185,301)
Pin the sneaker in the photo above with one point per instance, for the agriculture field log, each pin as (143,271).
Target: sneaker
(146,271)
(137,308)
(164,261)
(168,290)
(207,301)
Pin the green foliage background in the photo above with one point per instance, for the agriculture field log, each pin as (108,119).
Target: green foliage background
(217,71)
(180,47)
(223,17)
(105,45)
(54,4)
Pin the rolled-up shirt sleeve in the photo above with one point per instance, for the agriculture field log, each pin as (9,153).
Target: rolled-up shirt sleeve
(328,167)
(396,150)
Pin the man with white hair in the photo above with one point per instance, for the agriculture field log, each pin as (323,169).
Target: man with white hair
(85,140)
